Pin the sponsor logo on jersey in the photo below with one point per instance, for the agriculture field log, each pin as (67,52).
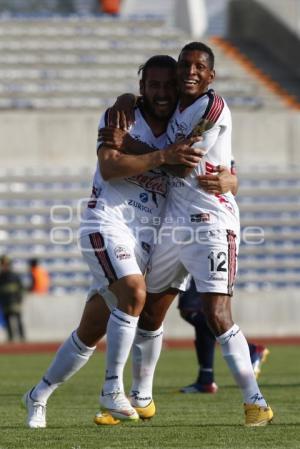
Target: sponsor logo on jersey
(178,129)
(144,197)
(176,183)
(200,218)
(122,252)
(217,277)
(140,206)
(146,247)
(154,182)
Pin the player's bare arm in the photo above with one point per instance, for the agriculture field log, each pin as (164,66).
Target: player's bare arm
(224,181)
(116,138)
(125,103)
(115,164)
(121,140)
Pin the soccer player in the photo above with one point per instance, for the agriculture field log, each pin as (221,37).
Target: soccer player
(206,227)
(190,306)
(116,238)
(201,231)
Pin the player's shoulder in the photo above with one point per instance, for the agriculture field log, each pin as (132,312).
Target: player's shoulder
(216,106)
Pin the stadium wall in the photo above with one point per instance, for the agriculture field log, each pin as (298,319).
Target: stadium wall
(262,24)
(50,139)
(287,12)
(260,314)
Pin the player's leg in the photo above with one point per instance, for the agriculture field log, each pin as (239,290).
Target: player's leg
(69,359)
(235,350)
(163,280)
(115,251)
(77,349)
(205,349)
(147,343)
(146,350)
(217,268)
(131,294)
(190,306)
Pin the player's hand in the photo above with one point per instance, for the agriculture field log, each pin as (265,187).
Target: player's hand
(117,119)
(182,153)
(113,138)
(220,183)
(121,114)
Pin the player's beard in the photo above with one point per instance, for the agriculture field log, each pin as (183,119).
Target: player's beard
(152,111)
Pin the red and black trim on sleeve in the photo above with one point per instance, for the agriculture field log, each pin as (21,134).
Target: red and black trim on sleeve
(215,106)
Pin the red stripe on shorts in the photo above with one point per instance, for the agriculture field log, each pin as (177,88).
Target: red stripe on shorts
(232,255)
(101,253)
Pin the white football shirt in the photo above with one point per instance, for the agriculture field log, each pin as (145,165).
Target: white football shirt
(135,200)
(187,202)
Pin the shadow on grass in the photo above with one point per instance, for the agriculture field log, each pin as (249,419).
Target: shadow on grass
(175,390)
(152,426)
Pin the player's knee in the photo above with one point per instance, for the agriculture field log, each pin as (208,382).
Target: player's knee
(133,299)
(218,320)
(138,296)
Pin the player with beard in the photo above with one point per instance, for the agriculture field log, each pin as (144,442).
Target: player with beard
(116,239)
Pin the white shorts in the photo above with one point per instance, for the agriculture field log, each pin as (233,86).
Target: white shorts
(111,254)
(211,260)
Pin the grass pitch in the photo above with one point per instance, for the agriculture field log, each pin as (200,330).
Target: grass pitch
(182,421)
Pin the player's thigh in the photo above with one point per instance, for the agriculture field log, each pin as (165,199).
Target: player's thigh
(165,268)
(212,261)
(110,258)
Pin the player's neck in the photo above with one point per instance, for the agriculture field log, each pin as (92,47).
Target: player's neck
(158,126)
(187,100)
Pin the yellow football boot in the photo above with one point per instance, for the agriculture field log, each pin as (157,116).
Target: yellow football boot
(256,415)
(146,412)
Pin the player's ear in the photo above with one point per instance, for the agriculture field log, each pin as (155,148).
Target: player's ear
(142,87)
(212,76)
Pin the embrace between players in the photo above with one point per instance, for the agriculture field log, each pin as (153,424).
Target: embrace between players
(159,211)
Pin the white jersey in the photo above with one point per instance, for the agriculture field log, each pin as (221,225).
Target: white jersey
(187,201)
(135,200)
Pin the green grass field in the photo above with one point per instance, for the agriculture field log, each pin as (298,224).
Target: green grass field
(182,421)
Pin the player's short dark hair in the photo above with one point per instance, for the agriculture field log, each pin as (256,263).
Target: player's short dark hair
(164,61)
(200,46)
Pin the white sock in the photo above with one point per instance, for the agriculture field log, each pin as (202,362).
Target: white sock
(70,358)
(121,329)
(145,354)
(235,350)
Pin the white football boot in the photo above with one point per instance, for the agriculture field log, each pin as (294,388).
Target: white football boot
(36,411)
(118,406)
